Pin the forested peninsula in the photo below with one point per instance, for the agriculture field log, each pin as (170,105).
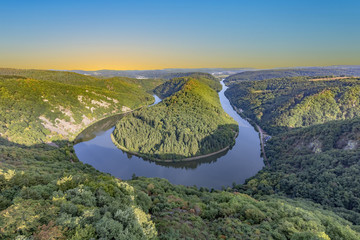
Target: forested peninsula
(189,122)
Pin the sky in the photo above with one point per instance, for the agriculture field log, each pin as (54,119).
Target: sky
(129,35)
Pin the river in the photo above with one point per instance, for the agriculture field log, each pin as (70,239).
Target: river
(94,146)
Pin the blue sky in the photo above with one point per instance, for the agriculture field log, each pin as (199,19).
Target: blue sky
(159,34)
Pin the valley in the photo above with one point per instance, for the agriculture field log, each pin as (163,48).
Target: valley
(180,120)
(312,155)
(236,164)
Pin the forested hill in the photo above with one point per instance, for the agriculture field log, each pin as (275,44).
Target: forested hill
(320,162)
(170,87)
(189,123)
(202,77)
(314,150)
(119,84)
(280,104)
(44,106)
(296,72)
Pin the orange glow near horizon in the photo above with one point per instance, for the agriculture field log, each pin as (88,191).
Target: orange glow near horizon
(93,62)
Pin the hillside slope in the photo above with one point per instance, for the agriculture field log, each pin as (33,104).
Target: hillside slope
(170,87)
(279,104)
(321,163)
(33,110)
(111,84)
(189,123)
(295,72)
(314,151)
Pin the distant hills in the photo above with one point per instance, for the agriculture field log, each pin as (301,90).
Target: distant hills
(282,103)
(232,74)
(161,73)
(341,70)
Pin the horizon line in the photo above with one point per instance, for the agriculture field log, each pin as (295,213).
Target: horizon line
(189,68)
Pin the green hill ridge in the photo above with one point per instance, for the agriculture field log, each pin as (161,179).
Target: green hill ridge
(54,108)
(314,149)
(285,103)
(188,123)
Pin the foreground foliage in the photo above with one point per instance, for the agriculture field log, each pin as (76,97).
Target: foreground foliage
(44,194)
(185,212)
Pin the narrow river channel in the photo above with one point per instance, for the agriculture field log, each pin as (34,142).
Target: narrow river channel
(94,146)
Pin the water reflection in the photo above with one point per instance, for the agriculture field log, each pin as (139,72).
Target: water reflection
(192,164)
(98,128)
(103,129)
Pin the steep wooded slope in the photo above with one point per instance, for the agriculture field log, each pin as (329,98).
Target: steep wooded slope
(33,110)
(279,104)
(188,123)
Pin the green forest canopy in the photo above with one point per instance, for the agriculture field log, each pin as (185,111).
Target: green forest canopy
(315,149)
(338,71)
(50,106)
(188,123)
(279,104)
(320,163)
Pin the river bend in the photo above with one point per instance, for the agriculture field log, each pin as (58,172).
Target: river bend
(94,146)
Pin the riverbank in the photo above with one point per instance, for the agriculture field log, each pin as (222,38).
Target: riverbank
(262,134)
(76,135)
(171,160)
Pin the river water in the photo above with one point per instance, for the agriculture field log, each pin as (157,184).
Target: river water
(94,146)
